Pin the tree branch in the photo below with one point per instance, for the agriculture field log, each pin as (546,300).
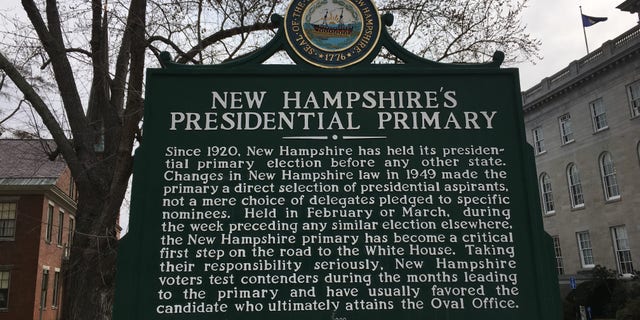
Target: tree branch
(134,103)
(42,109)
(222,34)
(12,113)
(53,43)
(99,113)
(68,50)
(174,46)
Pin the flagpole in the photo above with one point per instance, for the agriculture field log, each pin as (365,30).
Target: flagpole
(584,30)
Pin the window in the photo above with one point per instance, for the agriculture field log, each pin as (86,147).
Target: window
(56,289)
(558,253)
(598,115)
(72,226)
(60,226)
(43,294)
(575,187)
(609,180)
(538,140)
(547,194)
(72,229)
(49,226)
(622,250)
(7,220)
(634,98)
(5,276)
(586,252)
(565,129)
(72,188)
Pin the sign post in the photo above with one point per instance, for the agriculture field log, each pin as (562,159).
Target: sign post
(349,191)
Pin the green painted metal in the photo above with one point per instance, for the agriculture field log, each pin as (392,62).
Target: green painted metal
(279,42)
(186,90)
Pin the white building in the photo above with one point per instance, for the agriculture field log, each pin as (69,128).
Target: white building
(584,124)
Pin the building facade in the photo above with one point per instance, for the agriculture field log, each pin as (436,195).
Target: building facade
(584,125)
(37,207)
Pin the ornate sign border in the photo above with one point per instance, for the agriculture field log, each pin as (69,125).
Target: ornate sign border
(332,33)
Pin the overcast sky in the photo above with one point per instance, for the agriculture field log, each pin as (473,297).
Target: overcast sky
(558,25)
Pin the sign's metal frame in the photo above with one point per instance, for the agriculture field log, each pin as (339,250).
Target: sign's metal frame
(131,247)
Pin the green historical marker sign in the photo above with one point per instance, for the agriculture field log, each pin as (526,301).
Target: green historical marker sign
(350,191)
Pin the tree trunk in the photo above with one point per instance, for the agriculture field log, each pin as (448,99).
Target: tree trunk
(90,274)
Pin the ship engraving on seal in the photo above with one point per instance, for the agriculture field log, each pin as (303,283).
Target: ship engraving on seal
(332,33)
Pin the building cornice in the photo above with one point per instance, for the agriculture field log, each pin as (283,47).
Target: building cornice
(632,6)
(609,55)
(51,191)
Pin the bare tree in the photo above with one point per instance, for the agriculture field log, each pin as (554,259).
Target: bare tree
(463,30)
(92,55)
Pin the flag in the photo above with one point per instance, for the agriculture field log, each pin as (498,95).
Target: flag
(588,21)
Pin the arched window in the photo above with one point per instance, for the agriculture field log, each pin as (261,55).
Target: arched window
(547,194)
(575,186)
(609,180)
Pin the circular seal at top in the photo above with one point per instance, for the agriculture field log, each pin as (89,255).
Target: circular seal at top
(332,33)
